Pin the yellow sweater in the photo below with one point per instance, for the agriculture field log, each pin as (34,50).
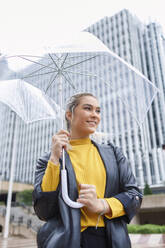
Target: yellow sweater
(89,169)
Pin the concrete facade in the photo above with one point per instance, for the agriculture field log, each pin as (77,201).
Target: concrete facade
(152,210)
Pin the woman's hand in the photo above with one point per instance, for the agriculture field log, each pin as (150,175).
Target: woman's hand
(88,197)
(59,141)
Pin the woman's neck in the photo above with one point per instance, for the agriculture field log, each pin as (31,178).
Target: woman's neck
(74,136)
(78,137)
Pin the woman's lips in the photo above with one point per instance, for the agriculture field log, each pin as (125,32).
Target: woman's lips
(92,123)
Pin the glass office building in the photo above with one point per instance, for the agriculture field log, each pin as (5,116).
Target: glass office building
(141,45)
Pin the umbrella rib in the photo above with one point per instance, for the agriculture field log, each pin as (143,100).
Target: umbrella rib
(22,55)
(81,62)
(72,84)
(78,56)
(92,75)
(83,74)
(72,57)
(34,62)
(50,80)
(131,112)
(110,86)
(32,74)
(51,83)
(53,60)
(58,58)
(63,63)
(40,74)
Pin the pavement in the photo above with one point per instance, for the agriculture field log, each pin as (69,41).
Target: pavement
(20,242)
(25,220)
(17,242)
(147,240)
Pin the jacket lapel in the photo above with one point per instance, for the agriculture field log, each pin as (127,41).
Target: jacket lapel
(109,160)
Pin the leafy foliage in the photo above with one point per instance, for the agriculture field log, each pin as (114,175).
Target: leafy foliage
(146,229)
(25,197)
(147,190)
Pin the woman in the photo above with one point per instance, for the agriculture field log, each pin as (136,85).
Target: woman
(99,177)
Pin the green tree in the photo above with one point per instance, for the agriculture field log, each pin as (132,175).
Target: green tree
(25,197)
(147,190)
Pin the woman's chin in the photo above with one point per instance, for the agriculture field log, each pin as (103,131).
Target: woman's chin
(88,131)
(92,130)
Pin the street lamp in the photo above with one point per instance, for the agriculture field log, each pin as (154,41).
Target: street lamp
(1,177)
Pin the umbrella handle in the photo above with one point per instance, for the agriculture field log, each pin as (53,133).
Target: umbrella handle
(65,196)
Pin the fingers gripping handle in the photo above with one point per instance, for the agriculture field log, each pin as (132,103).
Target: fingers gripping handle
(65,196)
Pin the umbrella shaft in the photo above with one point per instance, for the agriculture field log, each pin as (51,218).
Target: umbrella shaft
(61,98)
(61,108)
(63,159)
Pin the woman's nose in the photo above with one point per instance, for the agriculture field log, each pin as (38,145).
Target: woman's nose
(94,113)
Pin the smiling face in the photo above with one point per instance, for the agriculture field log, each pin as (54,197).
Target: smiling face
(85,117)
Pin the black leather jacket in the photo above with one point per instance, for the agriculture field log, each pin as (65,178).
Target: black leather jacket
(62,227)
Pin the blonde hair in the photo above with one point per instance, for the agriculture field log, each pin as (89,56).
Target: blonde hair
(72,103)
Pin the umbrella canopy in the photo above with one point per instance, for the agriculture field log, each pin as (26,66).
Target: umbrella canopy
(86,64)
(27,101)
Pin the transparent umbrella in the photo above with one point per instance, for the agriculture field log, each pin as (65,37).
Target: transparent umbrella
(30,104)
(27,101)
(86,64)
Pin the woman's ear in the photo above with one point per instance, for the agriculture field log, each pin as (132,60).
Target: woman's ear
(68,115)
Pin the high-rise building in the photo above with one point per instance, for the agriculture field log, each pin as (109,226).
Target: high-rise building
(141,45)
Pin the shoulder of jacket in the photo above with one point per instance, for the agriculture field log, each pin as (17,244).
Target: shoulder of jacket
(45,157)
(110,146)
(105,146)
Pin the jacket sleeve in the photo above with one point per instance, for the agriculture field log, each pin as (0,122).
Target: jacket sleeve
(45,203)
(130,195)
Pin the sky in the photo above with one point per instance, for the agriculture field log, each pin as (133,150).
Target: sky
(28,22)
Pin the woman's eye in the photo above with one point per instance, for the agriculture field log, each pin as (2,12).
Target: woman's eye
(88,108)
